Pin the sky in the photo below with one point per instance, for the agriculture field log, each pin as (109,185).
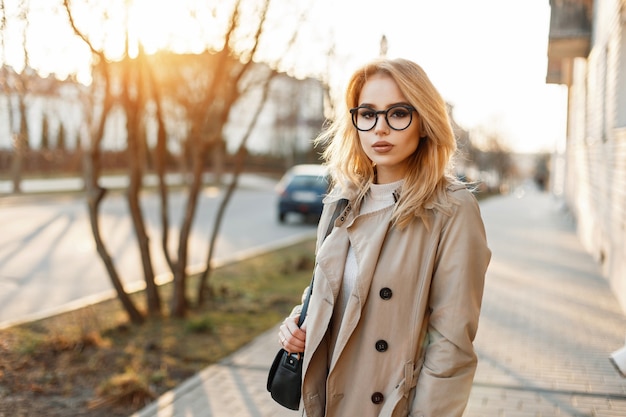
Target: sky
(488,58)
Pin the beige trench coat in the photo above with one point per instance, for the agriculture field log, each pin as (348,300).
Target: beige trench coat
(410,321)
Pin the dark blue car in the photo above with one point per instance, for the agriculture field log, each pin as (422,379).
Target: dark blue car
(301,191)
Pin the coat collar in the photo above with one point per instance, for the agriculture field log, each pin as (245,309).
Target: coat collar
(350,193)
(337,193)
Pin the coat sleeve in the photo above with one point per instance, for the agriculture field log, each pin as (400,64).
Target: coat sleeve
(445,380)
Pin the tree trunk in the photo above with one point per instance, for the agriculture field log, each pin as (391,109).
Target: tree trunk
(160,161)
(180,304)
(17,163)
(95,129)
(204,278)
(20,148)
(133,120)
(94,197)
(239,163)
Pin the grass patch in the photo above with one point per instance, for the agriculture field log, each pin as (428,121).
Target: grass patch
(94,362)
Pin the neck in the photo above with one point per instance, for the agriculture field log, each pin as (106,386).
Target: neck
(388,175)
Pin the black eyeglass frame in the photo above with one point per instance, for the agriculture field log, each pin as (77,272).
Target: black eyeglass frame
(354,113)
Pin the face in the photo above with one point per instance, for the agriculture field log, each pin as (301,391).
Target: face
(387,148)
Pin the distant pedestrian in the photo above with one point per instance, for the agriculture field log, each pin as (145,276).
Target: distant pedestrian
(399,282)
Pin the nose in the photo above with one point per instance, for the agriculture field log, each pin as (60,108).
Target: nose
(381,126)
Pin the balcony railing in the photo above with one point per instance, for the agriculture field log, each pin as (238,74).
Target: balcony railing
(569,37)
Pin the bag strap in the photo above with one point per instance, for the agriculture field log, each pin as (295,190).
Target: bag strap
(341,205)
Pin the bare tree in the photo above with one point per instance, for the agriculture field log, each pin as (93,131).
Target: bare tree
(5,74)
(17,86)
(97,108)
(160,162)
(206,92)
(207,133)
(239,163)
(20,137)
(492,155)
(133,103)
(234,93)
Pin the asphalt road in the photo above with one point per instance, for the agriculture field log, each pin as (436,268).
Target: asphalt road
(48,261)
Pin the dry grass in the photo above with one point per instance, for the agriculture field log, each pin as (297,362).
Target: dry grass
(92,362)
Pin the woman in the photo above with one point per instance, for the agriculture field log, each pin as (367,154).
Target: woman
(399,281)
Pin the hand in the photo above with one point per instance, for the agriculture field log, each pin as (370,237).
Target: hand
(291,337)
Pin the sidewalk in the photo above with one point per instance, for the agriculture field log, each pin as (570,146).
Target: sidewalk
(548,324)
(45,185)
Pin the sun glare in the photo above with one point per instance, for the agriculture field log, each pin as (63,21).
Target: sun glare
(488,72)
(157,25)
(150,22)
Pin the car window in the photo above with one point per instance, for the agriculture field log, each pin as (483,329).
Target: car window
(309,181)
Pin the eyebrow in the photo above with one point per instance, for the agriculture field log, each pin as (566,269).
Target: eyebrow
(401,103)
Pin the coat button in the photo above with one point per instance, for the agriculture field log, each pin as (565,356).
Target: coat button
(377,398)
(386,293)
(381,346)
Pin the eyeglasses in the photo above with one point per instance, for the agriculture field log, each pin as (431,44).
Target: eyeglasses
(398,117)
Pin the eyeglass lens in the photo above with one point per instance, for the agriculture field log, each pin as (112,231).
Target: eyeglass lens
(398,117)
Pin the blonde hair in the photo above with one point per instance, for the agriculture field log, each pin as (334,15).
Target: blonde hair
(430,168)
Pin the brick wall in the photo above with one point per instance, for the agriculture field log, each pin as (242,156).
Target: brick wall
(595,185)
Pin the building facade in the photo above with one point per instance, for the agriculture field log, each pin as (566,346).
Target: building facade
(291,116)
(587,53)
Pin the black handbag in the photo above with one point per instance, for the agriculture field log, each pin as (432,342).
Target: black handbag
(284,381)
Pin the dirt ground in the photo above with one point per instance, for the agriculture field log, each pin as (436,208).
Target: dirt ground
(87,378)
(92,363)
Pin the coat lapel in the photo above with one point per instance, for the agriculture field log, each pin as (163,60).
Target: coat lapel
(366,234)
(331,259)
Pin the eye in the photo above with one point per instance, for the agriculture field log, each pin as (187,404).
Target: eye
(398,112)
(367,113)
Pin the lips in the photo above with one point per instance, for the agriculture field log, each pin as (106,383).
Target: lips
(382,146)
